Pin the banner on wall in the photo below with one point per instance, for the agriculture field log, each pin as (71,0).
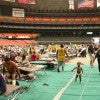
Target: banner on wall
(85,3)
(16,12)
(27,1)
(71,4)
(9,0)
(98,3)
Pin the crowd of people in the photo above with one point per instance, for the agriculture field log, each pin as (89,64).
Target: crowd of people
(12,56)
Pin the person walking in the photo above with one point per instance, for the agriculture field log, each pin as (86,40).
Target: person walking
(79,71)
(91,52)
(97,55)
(61,54)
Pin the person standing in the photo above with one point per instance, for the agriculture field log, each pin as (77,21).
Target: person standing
(97,55)
(61,54)
(91,52)
(79,71)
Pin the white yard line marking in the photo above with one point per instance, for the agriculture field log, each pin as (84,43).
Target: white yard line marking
(57,97)
(85,86)
(93,86)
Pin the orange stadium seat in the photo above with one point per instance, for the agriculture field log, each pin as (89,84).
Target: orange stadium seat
(61,20)
(46,19)
(29,19)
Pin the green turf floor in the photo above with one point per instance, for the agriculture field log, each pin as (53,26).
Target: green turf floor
(47,86)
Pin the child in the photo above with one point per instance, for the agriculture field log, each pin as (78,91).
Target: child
(79,71)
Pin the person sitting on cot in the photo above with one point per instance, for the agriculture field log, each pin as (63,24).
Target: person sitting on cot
(11,70)
(34,56)
(79,71)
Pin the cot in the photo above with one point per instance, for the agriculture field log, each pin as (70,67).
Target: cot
(46,63)
(13,92)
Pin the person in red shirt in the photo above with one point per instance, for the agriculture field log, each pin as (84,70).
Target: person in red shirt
(33,57)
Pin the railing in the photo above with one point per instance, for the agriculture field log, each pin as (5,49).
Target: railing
(52,20)
(64,39)
(36,27)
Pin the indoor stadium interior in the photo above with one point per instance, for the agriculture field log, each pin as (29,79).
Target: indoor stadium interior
(49,49)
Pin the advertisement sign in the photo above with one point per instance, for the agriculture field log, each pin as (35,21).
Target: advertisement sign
(16,12)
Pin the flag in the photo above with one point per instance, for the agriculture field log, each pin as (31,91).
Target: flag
(21,1)
(85,3)
(30,1)
(98,1)
(27,1)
